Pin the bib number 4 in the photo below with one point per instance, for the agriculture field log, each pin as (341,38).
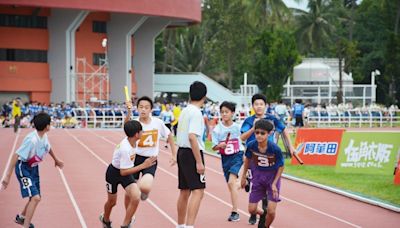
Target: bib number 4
(148,139)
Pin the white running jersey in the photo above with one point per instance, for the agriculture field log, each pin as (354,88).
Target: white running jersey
(149,143)
(124,155)
(33,145)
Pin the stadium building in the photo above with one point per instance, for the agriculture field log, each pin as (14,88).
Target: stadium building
(81,50)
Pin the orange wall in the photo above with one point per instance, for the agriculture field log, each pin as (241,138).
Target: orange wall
(40,97)
(25,76)
(24,70)
(23,85)
(24,38)
(88,42)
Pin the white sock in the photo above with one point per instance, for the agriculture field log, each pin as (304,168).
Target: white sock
(189,226)
(181,226)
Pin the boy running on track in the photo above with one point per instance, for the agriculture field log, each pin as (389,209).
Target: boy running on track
(121,171)
(268,162)
(259,102)
(190,158)
(25,162)
(149,144)
(226,139)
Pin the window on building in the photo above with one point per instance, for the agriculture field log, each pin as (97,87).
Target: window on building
(100,26)
(21,55)
(99,58)
(24,21)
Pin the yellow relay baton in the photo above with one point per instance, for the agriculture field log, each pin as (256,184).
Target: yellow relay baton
(127,97)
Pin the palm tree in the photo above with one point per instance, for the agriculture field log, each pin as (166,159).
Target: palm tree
(263,12)
(315,28)
(189,55)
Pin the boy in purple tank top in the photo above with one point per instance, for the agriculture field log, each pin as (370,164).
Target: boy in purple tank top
(267,161)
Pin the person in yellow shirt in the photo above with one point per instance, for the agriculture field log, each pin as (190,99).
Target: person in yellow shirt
(69,122)
(252,112)
(16,113)
(177,112)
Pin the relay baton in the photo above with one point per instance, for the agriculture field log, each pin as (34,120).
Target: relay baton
(227,138)
(127,97)
(287,148)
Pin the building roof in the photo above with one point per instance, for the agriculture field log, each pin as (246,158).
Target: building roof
(187,9)
(318,69)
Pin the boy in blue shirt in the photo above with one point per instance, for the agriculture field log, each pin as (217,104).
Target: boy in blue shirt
(259,102)
(298,113)
(267,161)
(226,139)
(25,161)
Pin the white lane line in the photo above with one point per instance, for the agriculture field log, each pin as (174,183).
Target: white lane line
(162,212)
(321,212)
(72,198)
(290,200)
(10,156)
(106,164)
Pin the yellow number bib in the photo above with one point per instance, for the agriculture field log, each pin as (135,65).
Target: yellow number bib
(148,139)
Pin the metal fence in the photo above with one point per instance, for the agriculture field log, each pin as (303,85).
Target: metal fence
(354,118)
(114,118)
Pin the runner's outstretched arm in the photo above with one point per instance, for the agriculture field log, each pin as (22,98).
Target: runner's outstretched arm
(129,114)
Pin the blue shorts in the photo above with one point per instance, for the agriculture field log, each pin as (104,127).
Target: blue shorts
(28,178)
(232,164)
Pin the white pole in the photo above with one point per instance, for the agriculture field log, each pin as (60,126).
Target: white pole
(245,86)
(373,99)
(330,90)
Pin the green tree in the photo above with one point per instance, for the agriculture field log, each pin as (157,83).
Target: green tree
(315,27)
(263,13)
(274,57)
(226,38)
(189,55)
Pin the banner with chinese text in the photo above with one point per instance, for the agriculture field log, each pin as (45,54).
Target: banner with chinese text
(318,146)
(368,152)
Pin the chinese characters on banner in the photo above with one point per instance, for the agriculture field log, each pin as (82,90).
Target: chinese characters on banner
(318,146)
(366,152)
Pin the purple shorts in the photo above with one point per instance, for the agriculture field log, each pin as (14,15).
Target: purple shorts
(261,186)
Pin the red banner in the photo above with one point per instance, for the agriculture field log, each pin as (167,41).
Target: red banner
(318,146)
(397,174)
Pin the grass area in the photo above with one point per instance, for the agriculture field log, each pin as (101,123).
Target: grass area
(208,145)
(372,186)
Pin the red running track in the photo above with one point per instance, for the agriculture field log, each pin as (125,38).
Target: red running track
(75,196)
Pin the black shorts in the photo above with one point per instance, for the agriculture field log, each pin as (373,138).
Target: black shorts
(187,172)
(113,178)
(151,170)
(299,121)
